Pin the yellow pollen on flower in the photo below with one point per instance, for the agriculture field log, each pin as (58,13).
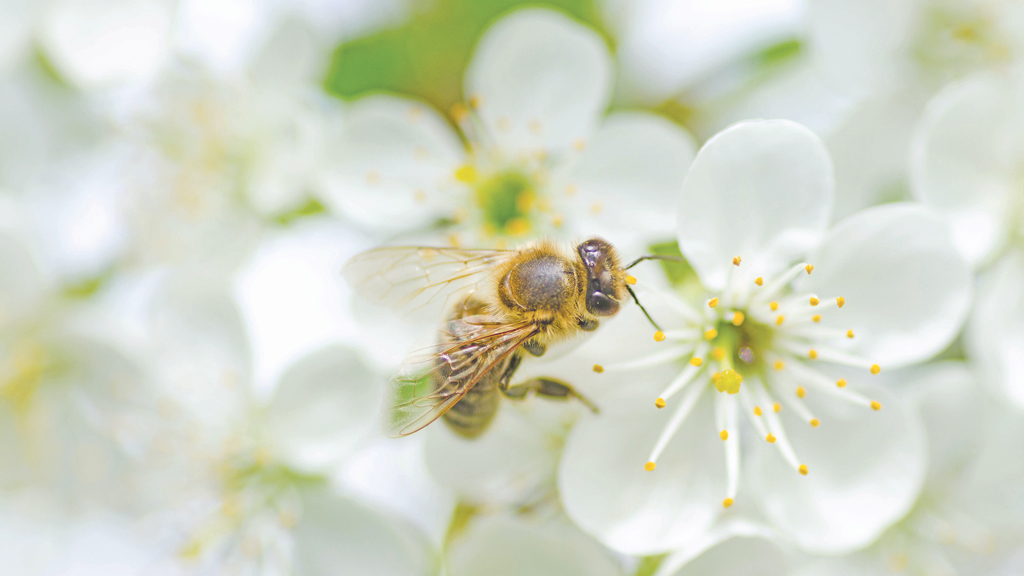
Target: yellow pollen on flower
(649,466)
(779,365)
(727,502)
(814,301)
(876,405)
(770,438)
(631,280)
(737,318)
(774,306)
(815,423)
(556,221)
(517,227)
(816,318)
(596,208)
(803,469)
(713,302)
(809,268)
(474,101)
(757,410)
(718,352)
(759,281)
(711,334)
(849,333)
(812,354)
(659,403)
(841,383)
(579,144)
(598,368)
(780,320)
(800,392)
(466,173)
(728,381)
(459,112)
(777,407)
(736,260)
(724,435)
(659,336)
(696,361)
(840,301)
(875,369)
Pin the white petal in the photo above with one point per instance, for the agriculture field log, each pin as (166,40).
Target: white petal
(395,164)
(607,492)
(866,468)
(995,335)
(542,80)
(323,405)
(761,190)
(338,536)
(906,287)
(630,169)
(20,280)
(502,546)
(738,556)
(963,162)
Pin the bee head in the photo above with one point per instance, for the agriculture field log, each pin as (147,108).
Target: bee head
(604,285)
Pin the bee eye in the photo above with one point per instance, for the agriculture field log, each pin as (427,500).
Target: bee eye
(600,305)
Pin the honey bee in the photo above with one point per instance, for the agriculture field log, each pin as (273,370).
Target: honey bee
(502,304)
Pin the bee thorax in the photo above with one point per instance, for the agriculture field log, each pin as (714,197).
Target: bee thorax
(539,284)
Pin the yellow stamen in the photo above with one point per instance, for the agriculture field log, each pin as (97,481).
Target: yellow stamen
(849,333)
(875,369)
(876,405)
(780,320)
(814,301)
(713,302)
(598,368)
(812,354)
(630,280)
(736,260)
(711,334)
(777,407)
(649,466)
(727,502)
(770,438)
(841,383)
(660,403)
(596,208)
(841,301)
(579,144)
(816,318)
(800,392)
(466,173)
(809,268)
(737,318)
(659,336)
(459,111)
(696,361)
(757,410)
(779,365)
(474,101)
(759,281)
(718,352)
(728,381)
(517,227)
(724,435)
(815,423)
(803,469)
(774,306)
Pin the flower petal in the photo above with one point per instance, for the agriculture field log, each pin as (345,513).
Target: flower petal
(761,190)
(866,468)
(906,287)
(607,492)
(962,161)
(995,334)
(748,552)
(542,80)
(396,163)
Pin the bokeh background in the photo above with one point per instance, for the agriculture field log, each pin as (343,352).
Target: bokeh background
(189,386)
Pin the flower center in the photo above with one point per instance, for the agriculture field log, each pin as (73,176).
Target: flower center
(955,40)
(506,200)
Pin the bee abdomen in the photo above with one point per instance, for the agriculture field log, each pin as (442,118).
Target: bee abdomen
(543,283)
(471,415)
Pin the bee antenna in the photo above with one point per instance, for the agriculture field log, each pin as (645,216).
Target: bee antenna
(644,310)
(655,257)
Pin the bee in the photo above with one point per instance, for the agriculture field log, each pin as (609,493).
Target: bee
(502,305)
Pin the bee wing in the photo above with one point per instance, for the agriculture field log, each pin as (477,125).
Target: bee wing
(431,381)
(413,278)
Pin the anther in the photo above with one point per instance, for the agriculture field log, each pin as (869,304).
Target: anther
(876,405)
(718,352)
(630,280)
(800,392)
(474,101)
(649,466)
(724,435)
(816,318)
(466,174)
(779,365)
(759,281)
(840,301)
(737,318)
(777,407)
(774,306)
(780,320)
(660,403)
(736,260)
(711,334)
(728,381)
(803,469)
(809,268)
(659,336)
(815,423)
(598,368)
(849,333)
(727,502)
(757,410)
(770,438)
(696,361)
(812,354)
(841,383)
(814,301)
(875,369)
(459,111)
(713,302)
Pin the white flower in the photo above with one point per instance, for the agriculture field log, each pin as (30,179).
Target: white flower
(540,158)
(787,351)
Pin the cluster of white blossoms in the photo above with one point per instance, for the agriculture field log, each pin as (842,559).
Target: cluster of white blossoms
(826,377)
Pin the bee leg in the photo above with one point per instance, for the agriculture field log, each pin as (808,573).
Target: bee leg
(550,388)
(588,325)
(510,370)
(535,348)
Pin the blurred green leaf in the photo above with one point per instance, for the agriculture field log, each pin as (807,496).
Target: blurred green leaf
(678,273)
